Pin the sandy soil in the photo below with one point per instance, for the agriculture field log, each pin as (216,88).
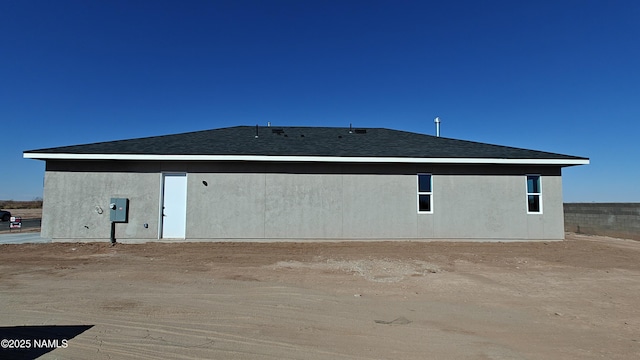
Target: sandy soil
(576,299)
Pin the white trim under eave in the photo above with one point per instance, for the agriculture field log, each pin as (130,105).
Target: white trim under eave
(340,159)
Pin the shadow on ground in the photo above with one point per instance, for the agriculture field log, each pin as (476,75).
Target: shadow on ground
(31,342)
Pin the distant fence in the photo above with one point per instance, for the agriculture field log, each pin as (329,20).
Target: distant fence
(621,220)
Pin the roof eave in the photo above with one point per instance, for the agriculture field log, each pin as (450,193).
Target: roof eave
(340,159)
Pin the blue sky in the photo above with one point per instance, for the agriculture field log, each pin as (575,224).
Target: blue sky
(560,76)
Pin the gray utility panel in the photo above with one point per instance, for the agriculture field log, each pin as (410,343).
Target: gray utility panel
(119,209)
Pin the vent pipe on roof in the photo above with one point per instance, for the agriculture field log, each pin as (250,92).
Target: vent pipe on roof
(256,131)
(437,121)
(268,123)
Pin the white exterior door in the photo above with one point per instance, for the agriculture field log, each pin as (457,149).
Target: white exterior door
(174,206)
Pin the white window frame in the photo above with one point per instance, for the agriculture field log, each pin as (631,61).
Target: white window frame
(430,193)
(538,194)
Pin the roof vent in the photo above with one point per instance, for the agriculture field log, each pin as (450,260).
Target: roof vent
(360,131)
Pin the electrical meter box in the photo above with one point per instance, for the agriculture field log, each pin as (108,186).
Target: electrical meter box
(119,209)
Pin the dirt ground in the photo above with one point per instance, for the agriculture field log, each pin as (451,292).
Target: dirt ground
(576,299)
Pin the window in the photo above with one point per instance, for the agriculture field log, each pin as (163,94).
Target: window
(534,194)
(425,194)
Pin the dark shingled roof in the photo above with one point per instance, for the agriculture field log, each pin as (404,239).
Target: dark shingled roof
(306,141)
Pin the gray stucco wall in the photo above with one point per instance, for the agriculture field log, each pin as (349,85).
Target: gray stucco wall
(250,201)
(620,220)
(77,205)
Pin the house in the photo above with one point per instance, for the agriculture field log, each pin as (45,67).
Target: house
(249,183)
